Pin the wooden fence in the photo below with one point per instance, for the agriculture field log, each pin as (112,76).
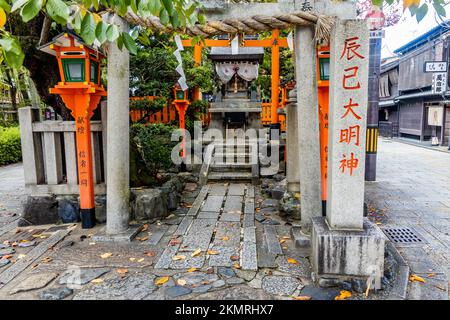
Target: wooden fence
(49,153)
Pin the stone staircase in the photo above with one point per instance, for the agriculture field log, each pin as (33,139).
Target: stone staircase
(231,161)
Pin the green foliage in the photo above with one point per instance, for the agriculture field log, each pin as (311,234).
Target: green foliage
(10,148)
(149,106)
(151,148)
(153,67)
(83,16)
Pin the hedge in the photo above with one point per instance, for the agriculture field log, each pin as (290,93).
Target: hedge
(10,149)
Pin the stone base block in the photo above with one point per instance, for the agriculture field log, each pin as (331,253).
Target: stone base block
(125,236)
(348,254)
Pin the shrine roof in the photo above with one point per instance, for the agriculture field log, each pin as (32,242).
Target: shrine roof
(221,54)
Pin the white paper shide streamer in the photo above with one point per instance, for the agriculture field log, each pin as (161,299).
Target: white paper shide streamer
(179,68)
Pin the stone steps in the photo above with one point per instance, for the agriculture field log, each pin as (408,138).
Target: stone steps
(230,176)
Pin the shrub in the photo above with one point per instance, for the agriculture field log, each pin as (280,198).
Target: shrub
(151,148)
(10,149)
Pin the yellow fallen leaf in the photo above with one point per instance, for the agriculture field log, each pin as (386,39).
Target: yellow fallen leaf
(97,281)
(196,253)
(293,261)
(142,238)
(225,238)
(431,275)
(284,247)
(47,260)
(141,260)
(236,266)
(161,281)
(106,255)
(181,282)
(122,271)
(287,238)
(302,298)
(179,257)
(212,252)
(144,227)
(192,269)
(132,259)
(91,243)
(344,294)
(21,256)
(282,241)
(416,278)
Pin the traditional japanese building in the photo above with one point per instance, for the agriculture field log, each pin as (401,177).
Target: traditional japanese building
(237,105)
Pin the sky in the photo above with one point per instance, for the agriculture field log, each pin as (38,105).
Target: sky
(408,29)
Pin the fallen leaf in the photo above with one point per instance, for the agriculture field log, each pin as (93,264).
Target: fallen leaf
(236,266)
(122,271)
(161,281)
(225,238)
(91,243)
(282,241)
(142,238)
(284,247)
(431,275)
(8,256)
(150,253)
(293,261)
(257,210)
(144,227)
(181,282)
(192,269)
(132,259)
(234,258)
(21,256)
(344,294)
(47,260)
(196,253)
(416,278)
(287,238)
(174,242)
(106,255)
(212,252)
(141,260)
(97,281)
(302,298)
(178,257)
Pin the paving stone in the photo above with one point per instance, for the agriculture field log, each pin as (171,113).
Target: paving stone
(198,201)
(7,251)
(156,233)
(249,220)
(270,203)
(202,289)
(189,262)
(233,204)
(177,291)
(208,215)
(20,265)
(248,256)
(318,293)
(273,245)
(34,281)
(236,189)
(184,225)
(58,293)
(265,258)
(235,280)
(217,190)
(133,287)
(302,269)
(81,276)
(199,235)
(218,284)
(236,292)
(222,259)
(247,275)
(4,262)
(226,272)
(230,230)
(250,234)
(231,216)
(271,222)
(250,192)
(165,259)
(280,285)
(195,279)
(259,217)
(213,203)
(249,206)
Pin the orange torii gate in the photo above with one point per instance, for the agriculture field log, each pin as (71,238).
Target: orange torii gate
(275,43)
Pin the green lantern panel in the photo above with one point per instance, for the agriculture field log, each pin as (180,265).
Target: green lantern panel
(73,70)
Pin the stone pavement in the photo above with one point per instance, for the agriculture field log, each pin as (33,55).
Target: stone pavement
(413,190)
(12,194)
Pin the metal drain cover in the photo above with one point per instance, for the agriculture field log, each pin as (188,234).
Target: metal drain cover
(403,236)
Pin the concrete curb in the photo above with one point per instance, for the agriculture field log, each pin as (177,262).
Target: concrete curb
(419,145)
(400,286)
